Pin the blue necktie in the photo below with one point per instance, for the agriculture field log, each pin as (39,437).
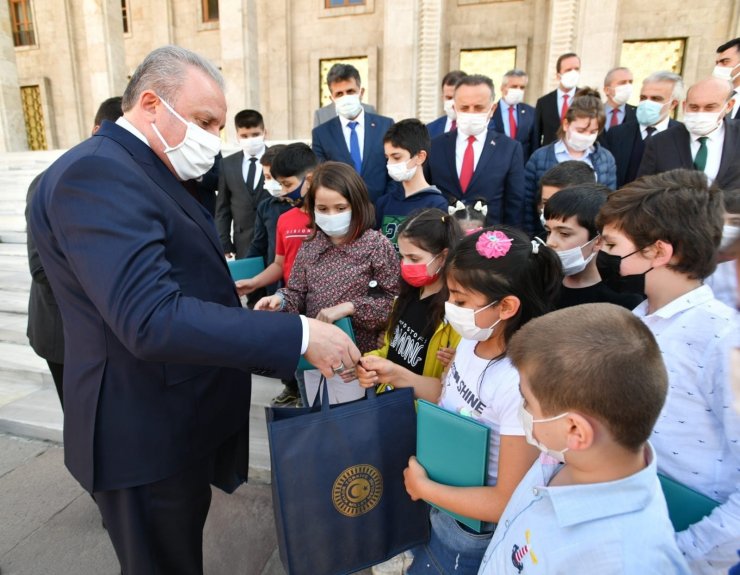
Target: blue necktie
(354,147)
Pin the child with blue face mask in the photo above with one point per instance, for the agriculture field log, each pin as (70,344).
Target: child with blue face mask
(497,280)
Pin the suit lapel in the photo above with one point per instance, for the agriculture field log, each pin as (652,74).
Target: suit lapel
(337,134)
(683,143)
(371,127)
(498,119)
(486,155)
(523,119)
(450,142)
(730,148)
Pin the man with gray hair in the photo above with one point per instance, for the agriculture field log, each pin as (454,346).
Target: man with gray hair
(512,116)
(618,89)
(659,96)
(708,140)
(158,349)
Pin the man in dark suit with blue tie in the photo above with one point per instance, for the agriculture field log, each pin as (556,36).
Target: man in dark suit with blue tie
(512,116)
(448,122)
(158,350)
(355,136)
(473,162)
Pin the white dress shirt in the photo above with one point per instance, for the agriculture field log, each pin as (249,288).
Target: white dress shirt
(736,105)
(461,145)
(697,435)
(563,155)
(571,94)
(359,129)
(448,124)
(129,127)
(505,116)
(661,126)
(258,166)
(715,143)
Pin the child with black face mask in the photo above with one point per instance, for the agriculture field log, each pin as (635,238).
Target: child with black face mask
(661,234)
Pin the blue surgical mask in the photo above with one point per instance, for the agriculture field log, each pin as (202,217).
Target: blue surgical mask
(296,194)
(649,112)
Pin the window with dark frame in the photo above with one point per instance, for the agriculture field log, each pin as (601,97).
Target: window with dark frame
(210,10)
(124,14)
(21,23)
(343,3)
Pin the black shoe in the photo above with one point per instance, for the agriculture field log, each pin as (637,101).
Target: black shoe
(298,403)
(285,397)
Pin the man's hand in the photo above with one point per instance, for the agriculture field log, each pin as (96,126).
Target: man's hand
(415,478)
(329,348)
(245,287)
(270,303)
(332,314)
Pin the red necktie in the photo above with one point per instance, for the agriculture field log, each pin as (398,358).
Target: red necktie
(453,125)
(615,118)
(512,123)
(466,172)
(565,107)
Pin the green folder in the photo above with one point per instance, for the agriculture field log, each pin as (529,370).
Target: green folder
(453,449)
(345,324)
(246,268)
(685,506)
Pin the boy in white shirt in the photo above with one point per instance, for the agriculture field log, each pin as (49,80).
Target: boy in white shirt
(593,383)
(662,233)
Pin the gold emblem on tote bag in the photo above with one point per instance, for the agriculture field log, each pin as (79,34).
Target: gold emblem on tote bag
(357,490)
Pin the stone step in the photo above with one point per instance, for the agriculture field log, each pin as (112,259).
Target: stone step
(13,327)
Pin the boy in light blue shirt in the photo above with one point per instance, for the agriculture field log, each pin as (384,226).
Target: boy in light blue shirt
(593,383)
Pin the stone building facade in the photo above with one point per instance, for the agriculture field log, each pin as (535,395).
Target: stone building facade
(271,51)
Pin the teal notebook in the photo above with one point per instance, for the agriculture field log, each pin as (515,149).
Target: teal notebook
(345,324)
(453,449)
(245,268)
(685,506)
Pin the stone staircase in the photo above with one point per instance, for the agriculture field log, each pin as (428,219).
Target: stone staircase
(28,403)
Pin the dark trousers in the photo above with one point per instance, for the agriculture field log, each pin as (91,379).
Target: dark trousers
(57,373)
(157,529)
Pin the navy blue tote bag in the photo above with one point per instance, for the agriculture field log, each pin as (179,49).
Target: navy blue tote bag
(337,482)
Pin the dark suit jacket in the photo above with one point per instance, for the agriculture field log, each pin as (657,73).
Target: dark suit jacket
(671,149)
(158,349)
(498,177)
(525,129)
(547,119)
(328,143)
(630,115)
(620,141)
(437,127)
(238,204)
(45,331)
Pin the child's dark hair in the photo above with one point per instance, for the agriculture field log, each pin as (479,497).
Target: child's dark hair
(269,156)
(530,271)
(433,231)
(731,200)
(562,356)
(586,104)
(294,160)
(249,119)
(583,202)
(565,175)
(410,135)
(676,207)
(343,179)
(473,212)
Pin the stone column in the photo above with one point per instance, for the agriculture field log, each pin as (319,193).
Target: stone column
(106,58)
(399,59)
(12,127)
(275,59)
(161,22)
(597,40)
(561,37)
(429,65)
(239,57)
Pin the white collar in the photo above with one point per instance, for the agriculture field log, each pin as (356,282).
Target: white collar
(716,135)
(129,127)
(360,119)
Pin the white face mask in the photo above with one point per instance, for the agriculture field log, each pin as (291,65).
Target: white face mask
(729,235)
(462,320)
(195,155)
(348,106)
(580,142)
(273,188)
(573,261)
(400,172)
(528,424)
(472,124)
(335,225)
(449,109)
(622,93)
(569,80)
(726,73)
(702,123)
(514,96)
(252,146)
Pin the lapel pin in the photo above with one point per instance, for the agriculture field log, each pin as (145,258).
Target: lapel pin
(372,124)
(493,143)
(523,111)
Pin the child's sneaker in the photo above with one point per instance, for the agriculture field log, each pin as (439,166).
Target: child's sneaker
(286,396)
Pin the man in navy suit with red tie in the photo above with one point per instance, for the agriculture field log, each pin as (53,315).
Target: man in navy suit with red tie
(355,136)
(158,349)
(472,162)
(512,116)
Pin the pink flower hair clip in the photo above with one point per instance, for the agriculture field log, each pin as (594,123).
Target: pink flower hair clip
(493,244)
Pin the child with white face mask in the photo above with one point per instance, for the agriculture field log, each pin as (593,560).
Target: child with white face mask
(497,280)
(577,137)
(570,224)
(344,268)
